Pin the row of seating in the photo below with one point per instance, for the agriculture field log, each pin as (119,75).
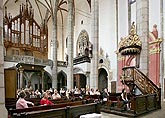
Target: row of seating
(64,105)
(69,110)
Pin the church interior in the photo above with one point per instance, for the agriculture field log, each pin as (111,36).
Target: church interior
(86,51)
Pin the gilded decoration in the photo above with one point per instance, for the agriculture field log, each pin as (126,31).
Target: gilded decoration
(131,44)
(154,41)
(155,46)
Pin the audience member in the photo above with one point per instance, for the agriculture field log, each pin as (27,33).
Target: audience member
(124,98)
(105,95)
(56,95)
(45,101)
(22,103)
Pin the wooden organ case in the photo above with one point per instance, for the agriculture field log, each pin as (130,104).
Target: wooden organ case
(26,43)
(24,36)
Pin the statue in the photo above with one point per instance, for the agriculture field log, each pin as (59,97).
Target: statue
(155,31)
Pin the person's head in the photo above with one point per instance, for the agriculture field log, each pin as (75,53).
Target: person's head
(105,90)
(55,91)
(45,95)
(22,94)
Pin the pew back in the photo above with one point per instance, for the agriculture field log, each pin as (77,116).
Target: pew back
(64,110)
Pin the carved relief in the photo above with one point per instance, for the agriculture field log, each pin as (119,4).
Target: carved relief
(84,46)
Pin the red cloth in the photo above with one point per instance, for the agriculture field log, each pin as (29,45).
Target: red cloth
(45,102)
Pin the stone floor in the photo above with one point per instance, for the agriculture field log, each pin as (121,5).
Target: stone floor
(155,114)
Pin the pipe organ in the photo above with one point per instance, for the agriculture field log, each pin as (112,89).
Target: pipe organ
(23,36)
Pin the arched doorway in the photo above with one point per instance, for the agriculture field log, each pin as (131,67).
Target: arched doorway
(47,80)
(35,80)
(103,80)
(79,81)
(61,80)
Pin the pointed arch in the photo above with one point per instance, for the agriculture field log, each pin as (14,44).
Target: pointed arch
(83,43)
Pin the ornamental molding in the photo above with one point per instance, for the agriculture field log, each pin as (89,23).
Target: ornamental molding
(130,44)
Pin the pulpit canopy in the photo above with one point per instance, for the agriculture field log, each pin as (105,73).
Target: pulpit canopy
(131,44)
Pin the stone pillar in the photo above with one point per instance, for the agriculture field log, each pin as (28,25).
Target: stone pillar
(117,38)
(3,111)
(54,45)
(109,83)
(162,49)
(21,77)
(142,19)
(129,15)
(42,79)
(18,81)
(70,30)
(88,78)
(95,42)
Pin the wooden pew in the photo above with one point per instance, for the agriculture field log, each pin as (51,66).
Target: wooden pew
(11,103)
(64,110)
(115,102)
(44,107)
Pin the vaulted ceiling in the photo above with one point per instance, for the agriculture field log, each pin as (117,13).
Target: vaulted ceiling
(42,8)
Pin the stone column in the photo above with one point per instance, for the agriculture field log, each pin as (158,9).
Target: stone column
(117,38)
(129,15)
(18,81)
(3,111)
(70,30)
(88,78)
(54,44)
(21,77)
(162,49)
(42,79)
(95,42)
(142,19)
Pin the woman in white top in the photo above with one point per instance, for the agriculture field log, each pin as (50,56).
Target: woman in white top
(56,95)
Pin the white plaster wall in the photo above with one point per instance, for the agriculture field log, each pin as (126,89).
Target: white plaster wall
(107,31)
(64,69)
(84,66)
(154,14)
(133,13)
(82,13)
(9,64)
(48,69)
(123,18)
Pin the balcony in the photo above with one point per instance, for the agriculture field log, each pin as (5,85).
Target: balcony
(28,60)
(81,59)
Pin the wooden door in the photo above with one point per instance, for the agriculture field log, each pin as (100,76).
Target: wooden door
(10,83)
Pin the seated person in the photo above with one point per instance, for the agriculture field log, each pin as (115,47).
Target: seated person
(45,101)
(97,92)
(22,103)
(105,95)
(124,98)
(92,91)
(56,95)
(62,92)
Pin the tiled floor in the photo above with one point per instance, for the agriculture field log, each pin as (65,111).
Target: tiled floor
(155,114)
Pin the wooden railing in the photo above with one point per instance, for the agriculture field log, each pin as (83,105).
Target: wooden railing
(132,75)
